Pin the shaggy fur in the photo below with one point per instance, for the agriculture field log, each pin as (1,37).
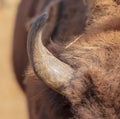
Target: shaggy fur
(94,92)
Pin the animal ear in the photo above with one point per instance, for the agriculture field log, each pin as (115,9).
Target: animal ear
(55,73)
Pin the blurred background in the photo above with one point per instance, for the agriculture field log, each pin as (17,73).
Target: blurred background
(12,99)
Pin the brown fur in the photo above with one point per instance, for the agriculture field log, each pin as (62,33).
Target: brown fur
(94,92)
(62,19)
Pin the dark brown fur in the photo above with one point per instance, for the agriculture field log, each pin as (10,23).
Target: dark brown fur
(94,92)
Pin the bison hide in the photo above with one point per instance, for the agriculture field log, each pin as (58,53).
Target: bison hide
(73,71)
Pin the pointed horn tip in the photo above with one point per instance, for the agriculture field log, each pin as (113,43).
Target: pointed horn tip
(44,16)
(40,21)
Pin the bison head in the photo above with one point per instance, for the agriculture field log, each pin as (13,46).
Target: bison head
(86,72)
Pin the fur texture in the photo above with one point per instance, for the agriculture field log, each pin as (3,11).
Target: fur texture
(94,92)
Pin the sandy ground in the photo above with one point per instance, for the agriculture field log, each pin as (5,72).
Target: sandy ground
(12,99)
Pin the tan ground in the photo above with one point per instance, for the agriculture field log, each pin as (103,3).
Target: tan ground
(12,100)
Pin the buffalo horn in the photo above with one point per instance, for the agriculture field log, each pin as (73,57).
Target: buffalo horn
(54,73)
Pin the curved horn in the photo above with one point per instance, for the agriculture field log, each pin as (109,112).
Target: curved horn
(52,71)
